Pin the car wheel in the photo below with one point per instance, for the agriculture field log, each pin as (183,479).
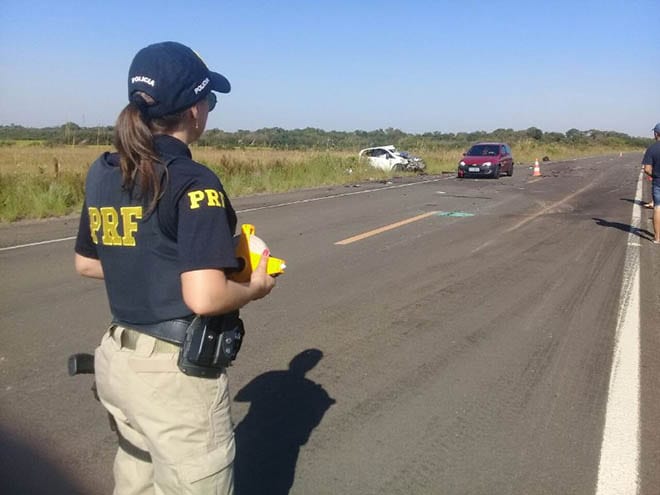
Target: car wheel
(496,173)
(511,171)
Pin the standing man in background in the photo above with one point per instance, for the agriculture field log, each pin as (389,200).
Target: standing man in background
(651,164)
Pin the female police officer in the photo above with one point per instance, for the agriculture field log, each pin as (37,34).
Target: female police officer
(158,228)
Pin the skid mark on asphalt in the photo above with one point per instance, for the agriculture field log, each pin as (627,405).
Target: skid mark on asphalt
(533,217)
(547,209)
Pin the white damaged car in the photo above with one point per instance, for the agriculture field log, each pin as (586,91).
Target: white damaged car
(388,158)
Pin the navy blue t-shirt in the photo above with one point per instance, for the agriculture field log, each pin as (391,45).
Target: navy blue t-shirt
(652,157)
(143,255)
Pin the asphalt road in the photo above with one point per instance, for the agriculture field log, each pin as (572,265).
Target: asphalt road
(450,337)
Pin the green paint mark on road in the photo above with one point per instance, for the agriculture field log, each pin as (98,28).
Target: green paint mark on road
(454,214)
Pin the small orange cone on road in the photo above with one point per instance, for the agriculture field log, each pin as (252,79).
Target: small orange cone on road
(537,169)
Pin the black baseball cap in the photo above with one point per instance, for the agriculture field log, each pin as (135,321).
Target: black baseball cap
(174,76)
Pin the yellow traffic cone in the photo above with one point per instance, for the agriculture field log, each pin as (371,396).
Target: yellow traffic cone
(537,169)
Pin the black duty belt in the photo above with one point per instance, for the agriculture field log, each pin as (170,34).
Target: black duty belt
(173,331)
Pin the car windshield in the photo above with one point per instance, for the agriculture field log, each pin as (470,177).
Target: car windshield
(484,150)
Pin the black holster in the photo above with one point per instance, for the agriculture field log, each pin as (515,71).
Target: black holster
(211,345)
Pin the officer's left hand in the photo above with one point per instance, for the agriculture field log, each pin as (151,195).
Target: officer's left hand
(260,282)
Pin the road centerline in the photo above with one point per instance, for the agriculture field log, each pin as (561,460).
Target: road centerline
(384,228)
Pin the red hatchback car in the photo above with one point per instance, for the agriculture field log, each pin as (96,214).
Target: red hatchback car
(486,160)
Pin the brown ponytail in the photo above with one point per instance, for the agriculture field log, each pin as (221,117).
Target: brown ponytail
(135,144)
(134,140)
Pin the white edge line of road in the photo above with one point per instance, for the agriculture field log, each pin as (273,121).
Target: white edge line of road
(618,469)
(8,248)
(278,205)
(341,195)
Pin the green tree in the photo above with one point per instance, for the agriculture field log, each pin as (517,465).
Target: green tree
(534,133)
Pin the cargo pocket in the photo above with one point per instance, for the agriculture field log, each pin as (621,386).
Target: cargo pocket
(210,469)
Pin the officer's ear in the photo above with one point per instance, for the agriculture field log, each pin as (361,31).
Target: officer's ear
(195,117)
(194,112)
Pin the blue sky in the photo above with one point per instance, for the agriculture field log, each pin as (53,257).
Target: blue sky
(419,66)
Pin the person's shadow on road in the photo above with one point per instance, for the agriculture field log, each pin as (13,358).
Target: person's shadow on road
(643,233)
(25,468)
(638,202)
(285,408)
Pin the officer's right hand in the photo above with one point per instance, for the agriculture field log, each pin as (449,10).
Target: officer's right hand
(260,281)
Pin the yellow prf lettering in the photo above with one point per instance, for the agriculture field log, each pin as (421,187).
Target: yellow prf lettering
(128,216)
(215,198)
(110,221)
(107,220)
(212,197)
(195,198)
(94,223)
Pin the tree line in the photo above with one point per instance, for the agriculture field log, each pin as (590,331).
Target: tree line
(319,139)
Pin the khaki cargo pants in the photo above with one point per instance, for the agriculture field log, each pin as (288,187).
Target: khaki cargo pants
(183,422)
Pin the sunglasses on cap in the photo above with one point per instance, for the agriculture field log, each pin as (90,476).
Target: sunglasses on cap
(212,100)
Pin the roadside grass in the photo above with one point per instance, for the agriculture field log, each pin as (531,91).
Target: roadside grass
(25,196)
(39,181)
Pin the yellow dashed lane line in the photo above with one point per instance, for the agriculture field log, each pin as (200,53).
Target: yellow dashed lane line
(385,228)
